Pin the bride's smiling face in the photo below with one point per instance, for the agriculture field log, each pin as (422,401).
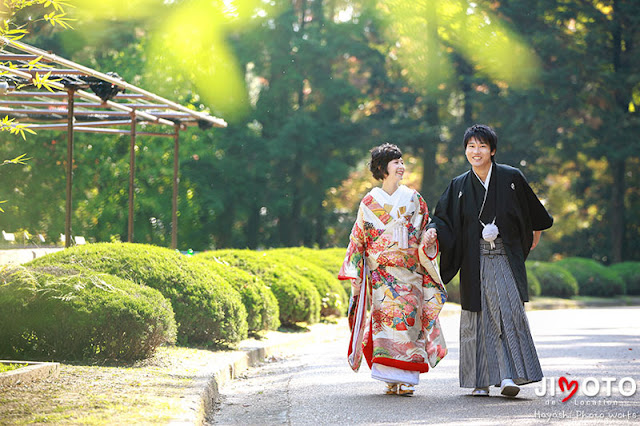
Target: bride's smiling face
(395,170)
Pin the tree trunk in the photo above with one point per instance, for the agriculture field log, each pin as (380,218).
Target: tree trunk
(429,154)
(320,226)
(297,178)
(253,227)
(431,111)
(617,210)
(617,164)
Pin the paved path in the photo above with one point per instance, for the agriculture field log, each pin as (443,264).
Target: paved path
(314,385)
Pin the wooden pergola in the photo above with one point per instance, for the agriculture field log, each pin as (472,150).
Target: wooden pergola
(80,99)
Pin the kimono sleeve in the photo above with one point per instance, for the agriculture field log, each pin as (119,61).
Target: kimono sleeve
(538,215)
(447,219)
(424,212)
(354,260)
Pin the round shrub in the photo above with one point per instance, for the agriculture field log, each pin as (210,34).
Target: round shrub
(258,299)
(298,299)
(66,314)
(594,279)
(328,259)
(629,272)
(333,298)
(533,282)
(453,290)
(207,309)
(555,281)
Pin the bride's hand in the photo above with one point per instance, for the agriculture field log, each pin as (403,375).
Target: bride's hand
(430,237)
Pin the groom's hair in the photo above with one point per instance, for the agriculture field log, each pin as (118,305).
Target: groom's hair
(482,133)
(380,157)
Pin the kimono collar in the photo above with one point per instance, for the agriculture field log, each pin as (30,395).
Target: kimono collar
(382,196)
(487,180)
(395,204)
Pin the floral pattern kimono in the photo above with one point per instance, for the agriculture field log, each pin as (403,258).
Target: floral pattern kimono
(392,274)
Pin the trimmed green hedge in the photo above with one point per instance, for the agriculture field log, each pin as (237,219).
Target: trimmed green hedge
(259,301)
(629,272)
(453,290)
(594,279)
(61,313)
(333,298)
(298,299)
(328,259)
(555,281)
(207,309)
(533,282)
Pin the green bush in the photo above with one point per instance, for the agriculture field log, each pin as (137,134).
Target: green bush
(629,272)
(453,290)
(61,313)
(328,259)
(333,298)
(207,309)
(298,299)
(555,281)
(259,301)
(594,279)
(533,282)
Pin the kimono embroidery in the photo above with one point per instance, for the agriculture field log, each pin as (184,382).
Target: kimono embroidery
(405,295)
(377,209)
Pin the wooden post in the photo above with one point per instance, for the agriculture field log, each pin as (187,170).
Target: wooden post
(68,207)
(174,212)
(132,175)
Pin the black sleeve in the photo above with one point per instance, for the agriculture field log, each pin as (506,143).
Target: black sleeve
(540,218)
(443,218)
(447,221)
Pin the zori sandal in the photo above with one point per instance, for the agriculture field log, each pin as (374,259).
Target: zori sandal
(392,388)
(405,390)
(399,389)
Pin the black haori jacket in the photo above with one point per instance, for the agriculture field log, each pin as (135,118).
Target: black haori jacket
(518,213)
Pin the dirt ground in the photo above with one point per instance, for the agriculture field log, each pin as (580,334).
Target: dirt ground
(150,392)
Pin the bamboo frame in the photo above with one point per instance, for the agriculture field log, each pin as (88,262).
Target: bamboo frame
(73,109)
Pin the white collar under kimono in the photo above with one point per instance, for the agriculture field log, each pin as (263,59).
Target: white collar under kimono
(488,178)
(396,206)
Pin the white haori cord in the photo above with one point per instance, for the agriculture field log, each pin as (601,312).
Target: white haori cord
(490,232)
(401,234)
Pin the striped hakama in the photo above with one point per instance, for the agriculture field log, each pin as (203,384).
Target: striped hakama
(496,342)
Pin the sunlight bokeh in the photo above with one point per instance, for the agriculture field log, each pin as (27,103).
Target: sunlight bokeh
(190,39)
(428,30)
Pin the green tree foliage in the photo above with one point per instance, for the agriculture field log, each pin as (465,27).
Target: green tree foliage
(325,81)
(573,130)
(11,27)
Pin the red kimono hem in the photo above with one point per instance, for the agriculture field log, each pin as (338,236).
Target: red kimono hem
(345,277)
(402,365)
